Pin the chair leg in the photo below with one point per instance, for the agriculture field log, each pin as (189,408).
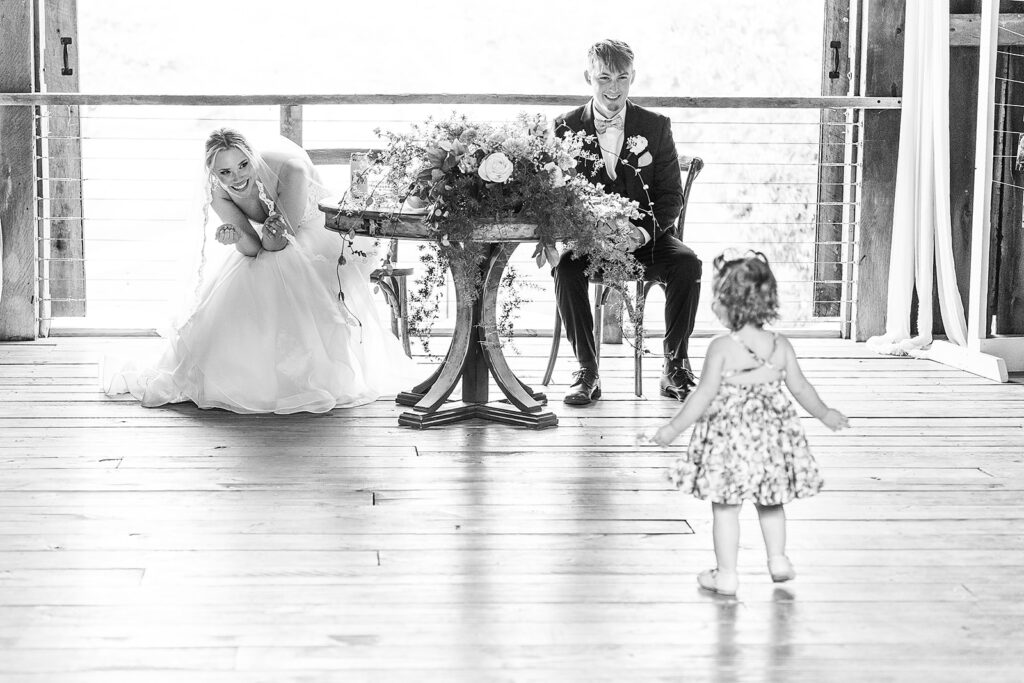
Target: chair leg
(403,314)
(638,339)
(395,292)
(598,320)
(556,339)
(395,302)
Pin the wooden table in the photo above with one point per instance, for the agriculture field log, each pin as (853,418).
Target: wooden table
(475,352)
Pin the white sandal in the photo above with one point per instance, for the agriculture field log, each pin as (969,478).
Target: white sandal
(718,582)
(781,569)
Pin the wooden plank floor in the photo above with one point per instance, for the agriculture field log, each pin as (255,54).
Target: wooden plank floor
(152,545)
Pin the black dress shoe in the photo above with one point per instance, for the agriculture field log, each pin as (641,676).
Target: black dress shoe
(677,381)
(586,387)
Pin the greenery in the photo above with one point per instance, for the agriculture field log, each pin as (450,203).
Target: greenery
(465,175)
(468,174)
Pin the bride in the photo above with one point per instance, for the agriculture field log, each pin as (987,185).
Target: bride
(268,332)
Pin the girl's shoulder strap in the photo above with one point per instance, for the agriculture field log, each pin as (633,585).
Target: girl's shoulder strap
(762,361)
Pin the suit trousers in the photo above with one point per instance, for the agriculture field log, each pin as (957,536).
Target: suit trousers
(666,260)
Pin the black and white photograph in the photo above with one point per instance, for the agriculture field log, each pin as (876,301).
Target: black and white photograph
(511,342)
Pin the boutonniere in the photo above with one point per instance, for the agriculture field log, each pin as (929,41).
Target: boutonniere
(637,145)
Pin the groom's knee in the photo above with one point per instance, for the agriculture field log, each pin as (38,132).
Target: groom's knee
(569,268)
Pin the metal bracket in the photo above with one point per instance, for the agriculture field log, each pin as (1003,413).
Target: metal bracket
(67,70)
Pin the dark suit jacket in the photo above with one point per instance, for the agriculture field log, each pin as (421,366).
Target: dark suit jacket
(662,177)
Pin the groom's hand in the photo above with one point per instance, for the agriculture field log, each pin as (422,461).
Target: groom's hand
(635,239)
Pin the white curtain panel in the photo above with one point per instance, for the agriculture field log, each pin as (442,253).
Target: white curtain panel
(921,233)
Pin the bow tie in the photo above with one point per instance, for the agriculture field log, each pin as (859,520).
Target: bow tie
(603,124)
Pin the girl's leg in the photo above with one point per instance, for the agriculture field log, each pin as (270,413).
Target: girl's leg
(726,533)
(773,528)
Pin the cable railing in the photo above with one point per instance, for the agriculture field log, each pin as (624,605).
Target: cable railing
(781,176)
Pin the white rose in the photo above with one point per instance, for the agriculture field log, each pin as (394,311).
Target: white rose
(557,177)
(637,144)
(496,168)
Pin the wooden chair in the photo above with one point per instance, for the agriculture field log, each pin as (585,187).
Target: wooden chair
(394,284)
(691,168)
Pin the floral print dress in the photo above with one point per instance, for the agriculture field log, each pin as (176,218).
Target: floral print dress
(748,445)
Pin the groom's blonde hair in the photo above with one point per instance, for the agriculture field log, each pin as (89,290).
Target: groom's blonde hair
(614,54)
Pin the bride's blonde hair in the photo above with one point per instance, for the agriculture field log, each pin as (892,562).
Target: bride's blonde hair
(224,139)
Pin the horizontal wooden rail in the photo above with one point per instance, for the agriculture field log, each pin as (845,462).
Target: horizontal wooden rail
(80,99)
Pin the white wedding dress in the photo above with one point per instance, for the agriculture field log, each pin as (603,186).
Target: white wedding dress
(268,335)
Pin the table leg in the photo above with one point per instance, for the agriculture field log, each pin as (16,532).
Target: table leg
(517,392)
(414,395)
(474,354)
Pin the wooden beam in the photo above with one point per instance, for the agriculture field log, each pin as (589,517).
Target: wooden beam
(965,30)
(291,122)
(883,75)
(65,277)
(963,114)
(447,99)
(977,305)
(828,232)
(1005,298)
(17,175)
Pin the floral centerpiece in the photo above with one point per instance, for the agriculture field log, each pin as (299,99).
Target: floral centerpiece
(464,174)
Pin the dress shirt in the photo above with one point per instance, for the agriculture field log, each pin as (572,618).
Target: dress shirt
(611,148)
(611,140)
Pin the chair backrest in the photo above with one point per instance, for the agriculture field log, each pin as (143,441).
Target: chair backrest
(690,167)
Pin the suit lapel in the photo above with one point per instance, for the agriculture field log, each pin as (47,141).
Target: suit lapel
(631,129)
(587,118)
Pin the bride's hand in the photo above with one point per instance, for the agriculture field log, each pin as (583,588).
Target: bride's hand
(274,234)
(227,234)
(275,228)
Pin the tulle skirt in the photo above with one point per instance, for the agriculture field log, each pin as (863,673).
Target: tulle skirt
(269,335)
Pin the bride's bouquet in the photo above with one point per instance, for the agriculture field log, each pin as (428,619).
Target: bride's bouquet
(467,174)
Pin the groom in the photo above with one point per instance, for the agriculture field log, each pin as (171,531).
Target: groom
(613,120)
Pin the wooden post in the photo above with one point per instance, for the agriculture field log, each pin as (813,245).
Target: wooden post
(1006,262)
(977,309)
(963,114)
(1006,258)
(291,122)
(17,175)
(828,237)
(883,76)
(66,272)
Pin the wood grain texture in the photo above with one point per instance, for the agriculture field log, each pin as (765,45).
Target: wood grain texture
(80,99)
(179,544)
(837,52)
(65,273)
(17,175)
(883,74)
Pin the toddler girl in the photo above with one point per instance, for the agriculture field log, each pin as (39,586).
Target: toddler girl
(748,443)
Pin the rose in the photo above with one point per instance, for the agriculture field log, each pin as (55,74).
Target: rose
(496,138)
(496,168)
(468,163)
(516,147)
(557,177)
(566,161)
(636,144)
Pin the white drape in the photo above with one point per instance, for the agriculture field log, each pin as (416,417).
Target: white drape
(922,233)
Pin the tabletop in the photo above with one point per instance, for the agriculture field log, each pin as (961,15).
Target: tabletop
(412,226)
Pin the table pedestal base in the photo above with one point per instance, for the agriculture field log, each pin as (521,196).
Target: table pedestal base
(496,411)
(473,358)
